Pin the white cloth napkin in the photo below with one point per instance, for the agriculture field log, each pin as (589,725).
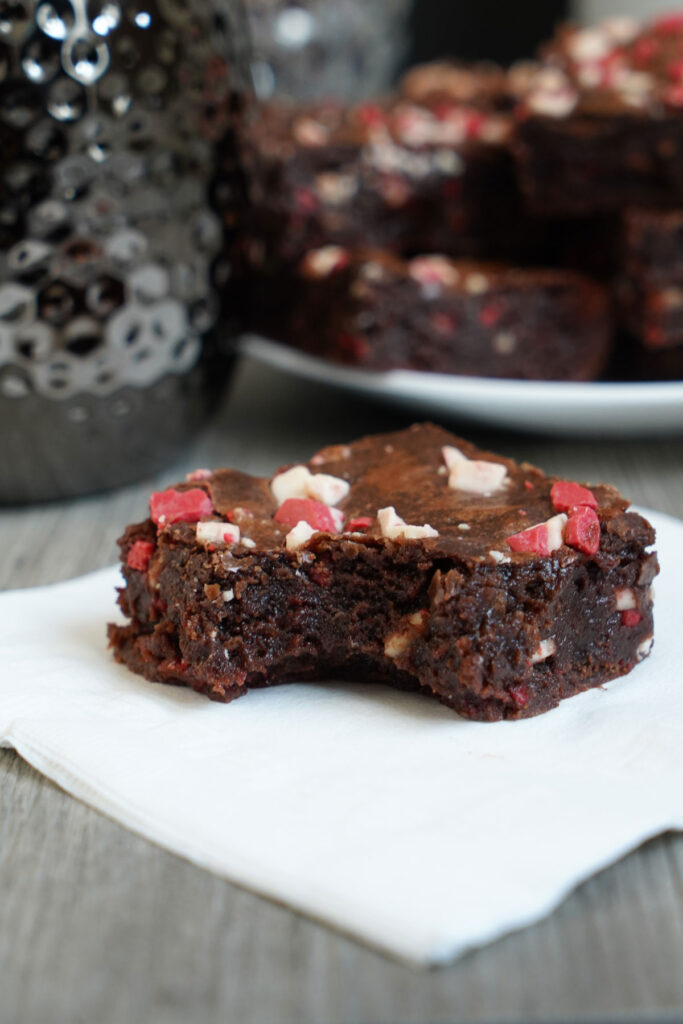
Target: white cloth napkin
(379,812)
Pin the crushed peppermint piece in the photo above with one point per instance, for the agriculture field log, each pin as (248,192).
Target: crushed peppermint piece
(583,530)
(631,618)
(172,506)
(626,599)
(564,495)
(464,526)
(299,482)
(394,528)
(434,270)
(217,533)
(228,595)
(546,649)
(328,489)
(319,263)
(248,542)
(499,557)
(644,648)
(198,475)
(140,554)
(473,475)
(293,483)
(310,133)
(318,515)
(543,539)
(299,535)
(359,524)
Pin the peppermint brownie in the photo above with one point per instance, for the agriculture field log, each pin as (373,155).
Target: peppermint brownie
(601,123)
(412,559)
(431,313)
(397,175)
(650,286)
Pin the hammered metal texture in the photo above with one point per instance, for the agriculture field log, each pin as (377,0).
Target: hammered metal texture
(313,49)
(115,120)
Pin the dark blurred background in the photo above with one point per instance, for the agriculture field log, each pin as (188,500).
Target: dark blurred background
(487,29)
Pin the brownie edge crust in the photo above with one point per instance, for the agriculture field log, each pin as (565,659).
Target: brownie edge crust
(412,559)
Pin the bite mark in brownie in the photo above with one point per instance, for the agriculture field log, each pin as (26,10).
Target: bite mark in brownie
(483,598)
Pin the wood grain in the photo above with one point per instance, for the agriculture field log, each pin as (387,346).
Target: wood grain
(98,925)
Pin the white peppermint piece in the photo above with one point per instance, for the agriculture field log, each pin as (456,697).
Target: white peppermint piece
(477,477)
(299,482)
(644,648)
(451,456)
(434,270)
(299,535)
(622,29)
(338,518)
(217,533)
(557,103)
(626,599)
(394,528)
(322,262)
(590,44)
(310,133)
(499,557)
(545,650)
(228,596)
(293,483)
(328,489)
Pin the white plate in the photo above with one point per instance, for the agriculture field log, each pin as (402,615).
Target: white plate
(543,407)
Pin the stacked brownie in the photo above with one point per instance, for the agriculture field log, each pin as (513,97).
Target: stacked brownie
(574,162)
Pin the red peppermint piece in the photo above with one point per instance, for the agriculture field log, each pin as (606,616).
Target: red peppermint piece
(674,95)
(528,484)
(370,115)
(520,695)
(173,506)
(565,495)
(139,555)
(305,200)
(354,345)
(669,23)
(583,530)
(490,314)
(319,516)
(474,122)
(631,618)
(360,523)
(542,539)
(644,50)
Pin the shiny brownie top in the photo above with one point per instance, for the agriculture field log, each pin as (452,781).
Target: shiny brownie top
(420,489)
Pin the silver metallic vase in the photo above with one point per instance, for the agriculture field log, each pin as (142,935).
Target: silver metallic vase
(119,186)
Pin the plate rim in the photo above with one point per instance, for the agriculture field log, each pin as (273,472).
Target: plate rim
(421,382)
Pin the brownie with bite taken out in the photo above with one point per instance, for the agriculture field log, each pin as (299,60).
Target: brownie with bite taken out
(412,559)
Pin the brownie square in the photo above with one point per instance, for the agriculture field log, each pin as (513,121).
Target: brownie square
(601,122)
(373,310)
(412,559)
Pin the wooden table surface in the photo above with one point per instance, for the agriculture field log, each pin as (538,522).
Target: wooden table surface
(101,927)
